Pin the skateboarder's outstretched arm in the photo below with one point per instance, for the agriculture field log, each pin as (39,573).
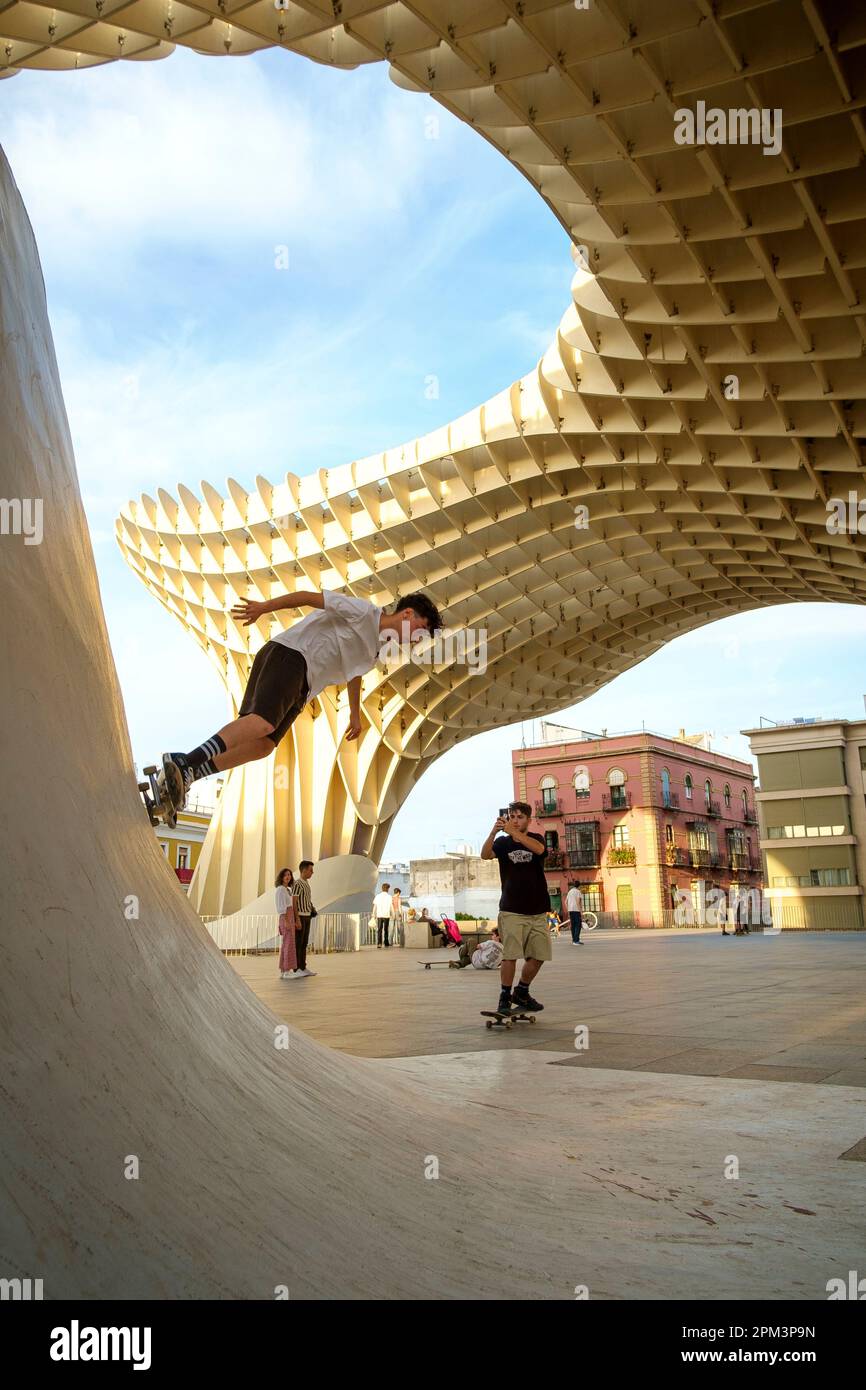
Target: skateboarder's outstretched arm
(249,610)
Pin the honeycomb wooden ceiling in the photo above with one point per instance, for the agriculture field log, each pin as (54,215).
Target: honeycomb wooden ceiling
(705,263)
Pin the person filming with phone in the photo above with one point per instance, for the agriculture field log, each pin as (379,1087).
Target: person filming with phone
(523,906)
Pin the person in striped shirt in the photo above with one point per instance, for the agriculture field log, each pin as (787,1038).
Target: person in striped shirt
(303,902)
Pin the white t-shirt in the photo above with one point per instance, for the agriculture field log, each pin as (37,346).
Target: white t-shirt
(382,905)
(337,642)
(488,956)
(283,898)
(574,900)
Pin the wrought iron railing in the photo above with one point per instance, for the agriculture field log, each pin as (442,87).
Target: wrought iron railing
(259,932)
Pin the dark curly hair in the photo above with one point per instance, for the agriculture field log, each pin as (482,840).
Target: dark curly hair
(424,607)
(279,877)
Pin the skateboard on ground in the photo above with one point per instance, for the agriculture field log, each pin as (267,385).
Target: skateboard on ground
(157,801)
(428,964)
(497,1020)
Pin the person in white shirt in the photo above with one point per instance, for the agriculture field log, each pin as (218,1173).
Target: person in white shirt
(382,913)
(574,908)
(334,645)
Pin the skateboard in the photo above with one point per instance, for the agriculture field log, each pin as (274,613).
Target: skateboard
(505,1020)
(428,964)
(156,799)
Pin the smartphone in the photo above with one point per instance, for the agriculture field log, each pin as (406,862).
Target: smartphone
(503,812)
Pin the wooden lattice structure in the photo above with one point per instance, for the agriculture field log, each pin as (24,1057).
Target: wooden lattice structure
(703,398)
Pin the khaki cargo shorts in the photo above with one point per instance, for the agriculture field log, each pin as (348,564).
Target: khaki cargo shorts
(524,938)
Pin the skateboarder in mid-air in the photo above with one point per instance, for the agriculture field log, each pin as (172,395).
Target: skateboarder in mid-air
(334,645)
(523,907)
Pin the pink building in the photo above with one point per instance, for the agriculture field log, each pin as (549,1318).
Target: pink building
(633,817)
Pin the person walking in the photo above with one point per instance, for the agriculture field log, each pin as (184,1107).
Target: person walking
(288,924)
(523,906)
(382,914)
(306,912)
(574,908)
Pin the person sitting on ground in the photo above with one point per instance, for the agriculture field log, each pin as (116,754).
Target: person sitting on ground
(486,956)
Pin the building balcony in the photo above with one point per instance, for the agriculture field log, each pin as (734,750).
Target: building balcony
(583,858)
(712,808)
(550,807)
(750,815)
(185,875)
(703,859)
(555,859)
(621,856)
(616,801)
(676,857)
(671,802)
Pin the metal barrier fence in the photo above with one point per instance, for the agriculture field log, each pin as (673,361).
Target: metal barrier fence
(348,931)
(370,934)
(335,931)
(258,933)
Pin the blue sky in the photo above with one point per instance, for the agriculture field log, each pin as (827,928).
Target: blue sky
(158,193)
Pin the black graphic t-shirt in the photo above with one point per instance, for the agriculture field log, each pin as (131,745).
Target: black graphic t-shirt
(524,887)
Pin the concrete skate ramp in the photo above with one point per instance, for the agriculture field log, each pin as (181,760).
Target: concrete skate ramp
(125,1033)
(124,1030)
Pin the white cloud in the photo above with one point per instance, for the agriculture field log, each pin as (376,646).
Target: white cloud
(177,154)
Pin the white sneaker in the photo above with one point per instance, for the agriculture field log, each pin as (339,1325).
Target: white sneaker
(290,974)
(307,972)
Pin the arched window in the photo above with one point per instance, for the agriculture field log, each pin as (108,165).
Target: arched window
(745,801)
(666,787)
(669,833)
(616,782)
(581,781)
(708,793)
(548,796)
(727,795)
(688,786)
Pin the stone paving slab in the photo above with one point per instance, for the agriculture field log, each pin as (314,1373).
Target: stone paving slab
(786,1008)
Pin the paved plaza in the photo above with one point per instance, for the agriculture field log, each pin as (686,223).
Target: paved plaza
(766,1008)
(666,1161)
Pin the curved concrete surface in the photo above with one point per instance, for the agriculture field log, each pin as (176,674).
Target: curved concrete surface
(125,1033)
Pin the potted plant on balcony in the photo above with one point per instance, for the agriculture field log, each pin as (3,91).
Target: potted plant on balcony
(621,854)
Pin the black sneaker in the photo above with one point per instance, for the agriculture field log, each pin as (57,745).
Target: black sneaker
(186,772)
(524,1003)
(504,1005)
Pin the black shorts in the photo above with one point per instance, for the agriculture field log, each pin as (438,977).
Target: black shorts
(277,688)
